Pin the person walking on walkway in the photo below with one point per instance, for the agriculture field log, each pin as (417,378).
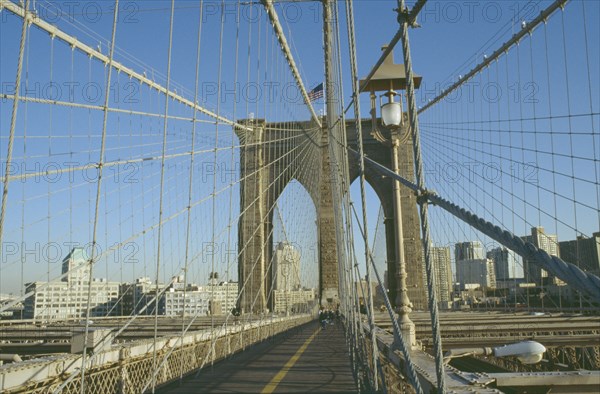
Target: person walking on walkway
(323,318)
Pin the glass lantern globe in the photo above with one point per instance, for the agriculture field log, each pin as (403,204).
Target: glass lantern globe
(391,115)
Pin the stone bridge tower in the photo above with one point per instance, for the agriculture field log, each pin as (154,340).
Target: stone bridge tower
(266,169)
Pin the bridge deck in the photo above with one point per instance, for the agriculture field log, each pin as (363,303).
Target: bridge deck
(307,359)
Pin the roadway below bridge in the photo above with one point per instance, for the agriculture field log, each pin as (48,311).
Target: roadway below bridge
(34,338)
(140,325)
(462,329)
(459,329)
(306,359)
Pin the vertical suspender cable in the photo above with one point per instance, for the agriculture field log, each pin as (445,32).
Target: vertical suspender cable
(232,164)
(403,18)
(23,258)
(589,85)
(162,183)
(214,191)
(191,183)
(13,118)
(98,190)
(361,170)
(410,369)
(48,184)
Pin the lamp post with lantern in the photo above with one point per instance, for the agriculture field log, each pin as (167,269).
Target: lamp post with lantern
(389,78)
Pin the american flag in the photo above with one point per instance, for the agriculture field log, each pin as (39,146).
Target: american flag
(316,93)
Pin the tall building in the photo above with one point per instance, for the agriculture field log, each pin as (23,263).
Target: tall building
(288,294)
(76,267)
(583,252)
(506,262)
(442,272)
(547,242)
(472,250)
(286,265)
(476,271)
(68,297)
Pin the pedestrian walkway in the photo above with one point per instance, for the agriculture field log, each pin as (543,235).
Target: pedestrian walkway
(309,359)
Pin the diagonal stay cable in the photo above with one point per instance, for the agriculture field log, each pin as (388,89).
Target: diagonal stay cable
(73,42)
(268,4)
(585,282)
(529,27)
(398,339)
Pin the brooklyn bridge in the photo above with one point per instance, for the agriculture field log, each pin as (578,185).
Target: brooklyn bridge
(292,196)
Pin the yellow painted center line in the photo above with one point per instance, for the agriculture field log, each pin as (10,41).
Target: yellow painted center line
(272,385)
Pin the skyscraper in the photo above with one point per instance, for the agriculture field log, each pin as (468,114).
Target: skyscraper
(547,242)
(583,252)
(76,266)
(471,250)
(286,265)
(443,272)
(506,263)
(476,271)
(288,294)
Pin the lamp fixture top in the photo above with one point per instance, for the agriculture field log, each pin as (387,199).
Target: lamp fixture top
(389,76)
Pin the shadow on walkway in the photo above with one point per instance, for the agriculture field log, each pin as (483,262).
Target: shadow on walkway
(323,366)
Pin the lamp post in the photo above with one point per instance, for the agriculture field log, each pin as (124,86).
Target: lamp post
(285,270)
(388,77)
(528,352)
